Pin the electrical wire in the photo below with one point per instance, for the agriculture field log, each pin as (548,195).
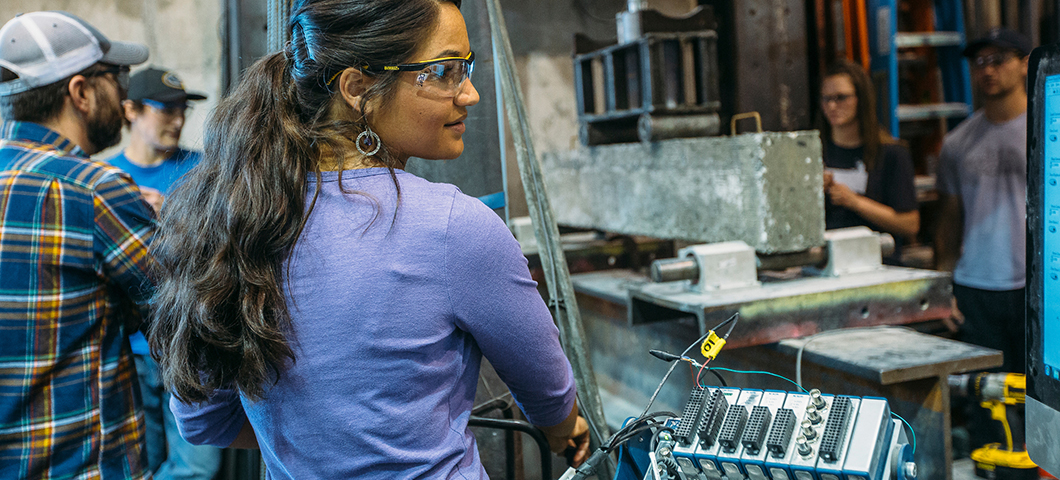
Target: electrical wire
(732,319)
(760,372)
(647,421)
(635,427)
(692,368)
(595,432)
(819,335)
(655,436)
(718,375)
(912,434)
(700,372)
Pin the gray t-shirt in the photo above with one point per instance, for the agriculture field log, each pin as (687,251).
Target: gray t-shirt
(986,165)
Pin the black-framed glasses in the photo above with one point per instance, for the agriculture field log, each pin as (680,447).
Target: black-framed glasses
(120,72)
(441,76)
(836,99)
(167,108)
(993,60)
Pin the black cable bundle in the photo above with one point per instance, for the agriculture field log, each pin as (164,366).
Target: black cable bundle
(646,421)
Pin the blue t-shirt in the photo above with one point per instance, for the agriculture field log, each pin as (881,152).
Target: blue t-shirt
(390,318)
(161,177)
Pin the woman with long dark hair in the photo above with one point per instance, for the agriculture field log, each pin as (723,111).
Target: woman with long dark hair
(319,302)
(868,174)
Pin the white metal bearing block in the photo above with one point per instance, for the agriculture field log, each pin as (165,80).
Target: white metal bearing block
(723,266)
(852,250)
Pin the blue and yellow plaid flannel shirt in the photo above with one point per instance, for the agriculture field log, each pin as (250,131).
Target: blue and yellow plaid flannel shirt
(74,277)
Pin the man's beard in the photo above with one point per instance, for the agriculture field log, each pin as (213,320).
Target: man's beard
(104,127)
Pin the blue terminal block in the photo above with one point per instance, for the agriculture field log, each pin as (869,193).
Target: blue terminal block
(732,430)
(782,435)
(749,434)
(757,434)
(832,449)
(698,456)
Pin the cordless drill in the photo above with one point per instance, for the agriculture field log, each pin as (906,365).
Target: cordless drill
(1003,395)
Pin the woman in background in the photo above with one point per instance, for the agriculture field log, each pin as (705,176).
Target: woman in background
(868,174)
(321,303)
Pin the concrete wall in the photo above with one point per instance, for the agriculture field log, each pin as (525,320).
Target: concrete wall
(187,37)
(183,35)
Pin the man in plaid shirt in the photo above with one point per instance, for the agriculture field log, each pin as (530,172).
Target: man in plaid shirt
(73,255)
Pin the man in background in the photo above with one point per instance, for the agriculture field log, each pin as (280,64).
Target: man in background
(74,264)
(982,184)
(154,114)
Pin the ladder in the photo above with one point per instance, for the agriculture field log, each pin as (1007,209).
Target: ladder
(936,38)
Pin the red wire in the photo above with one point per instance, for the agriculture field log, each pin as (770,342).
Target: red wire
(701,367)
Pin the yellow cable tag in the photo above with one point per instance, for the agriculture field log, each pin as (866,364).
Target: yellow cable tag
(712,345)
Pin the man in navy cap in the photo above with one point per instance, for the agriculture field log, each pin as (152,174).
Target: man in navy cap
(982,184)
(74,262)
(154,114)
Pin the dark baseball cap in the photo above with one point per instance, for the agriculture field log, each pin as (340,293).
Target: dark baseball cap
(159,85)
(1002,38)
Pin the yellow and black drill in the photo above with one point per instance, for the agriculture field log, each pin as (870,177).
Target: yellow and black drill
(1003,395)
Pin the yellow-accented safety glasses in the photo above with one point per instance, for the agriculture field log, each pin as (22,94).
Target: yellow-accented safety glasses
(442,76)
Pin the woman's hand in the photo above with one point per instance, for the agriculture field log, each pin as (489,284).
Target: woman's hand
(578,443)
(842,195)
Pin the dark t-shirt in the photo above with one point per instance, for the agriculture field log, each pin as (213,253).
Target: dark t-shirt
(890,182)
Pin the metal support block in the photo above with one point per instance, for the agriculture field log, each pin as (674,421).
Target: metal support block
(852,250)
(723,266)
(762,188)
(775,310)
(662,76)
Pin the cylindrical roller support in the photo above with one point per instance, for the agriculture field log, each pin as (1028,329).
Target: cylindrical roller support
(686,268)
(622,130)
(652,128)
(816,257)
(886,243)
(674,269)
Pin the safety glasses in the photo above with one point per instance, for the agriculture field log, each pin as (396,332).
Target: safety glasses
(836,99)
(170,109)
(121,75)
(442,76)
(993,60)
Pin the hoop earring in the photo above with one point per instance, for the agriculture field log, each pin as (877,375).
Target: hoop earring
(370,140)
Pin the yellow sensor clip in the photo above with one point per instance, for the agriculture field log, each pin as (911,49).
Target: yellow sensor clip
(712,345)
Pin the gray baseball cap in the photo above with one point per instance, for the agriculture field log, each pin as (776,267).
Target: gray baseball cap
(42,48)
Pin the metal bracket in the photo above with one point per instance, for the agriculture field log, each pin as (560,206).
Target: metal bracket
(723,266)
(852,250)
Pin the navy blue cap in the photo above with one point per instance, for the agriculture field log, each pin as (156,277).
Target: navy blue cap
(159,85)
(1002,38)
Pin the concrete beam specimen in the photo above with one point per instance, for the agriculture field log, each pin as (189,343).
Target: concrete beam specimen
(762,188)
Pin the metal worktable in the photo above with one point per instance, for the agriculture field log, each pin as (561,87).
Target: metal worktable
(908,368)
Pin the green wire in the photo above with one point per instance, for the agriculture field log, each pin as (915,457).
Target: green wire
(759,372)
(911,432)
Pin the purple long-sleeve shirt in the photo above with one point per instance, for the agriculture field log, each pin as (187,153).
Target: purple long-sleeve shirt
(390,322)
